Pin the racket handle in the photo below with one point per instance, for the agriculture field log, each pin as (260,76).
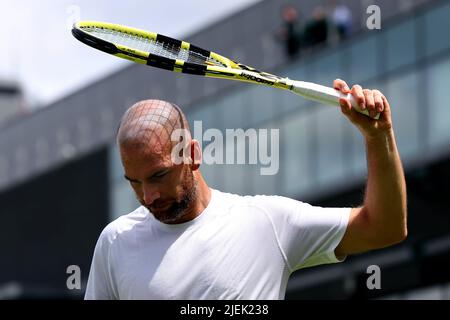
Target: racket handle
(322,94)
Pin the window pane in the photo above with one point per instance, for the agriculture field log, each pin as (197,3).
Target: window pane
(235,178)
(363,58)
(261,104)
(205,133)
(234,112)
(404,104)
(264,184)
(401,45)
(304,71)
(115,168)
(122,199)
(358,159)
(437,23)
(327,69)
(265,176)
(241,154)
(330,163)
(291,102)
(439,84)
(294,168)
(212,173)
(204,117)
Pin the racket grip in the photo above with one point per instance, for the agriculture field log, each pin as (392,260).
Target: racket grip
(326,95)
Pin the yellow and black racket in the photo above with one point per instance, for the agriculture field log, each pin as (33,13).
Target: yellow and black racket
(163,52)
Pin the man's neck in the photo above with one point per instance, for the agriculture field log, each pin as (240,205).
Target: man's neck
(203,194)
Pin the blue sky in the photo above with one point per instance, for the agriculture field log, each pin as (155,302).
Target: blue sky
(39,52)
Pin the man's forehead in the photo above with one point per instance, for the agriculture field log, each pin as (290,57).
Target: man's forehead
(149,146)
(145,157)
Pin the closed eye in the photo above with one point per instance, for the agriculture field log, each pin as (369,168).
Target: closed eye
(157,175)
(131,180)
(161,174)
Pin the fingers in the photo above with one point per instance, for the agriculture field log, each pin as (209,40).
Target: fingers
(345,105)
(386,107)
(341,85)
(358,94)
(354,117)
(372,100)
(379,102)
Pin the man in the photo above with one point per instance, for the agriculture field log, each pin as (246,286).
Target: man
(341,17)
(188,241)
(316,29)
(290,32)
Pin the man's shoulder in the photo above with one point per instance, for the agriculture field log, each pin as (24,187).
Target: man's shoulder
(124,224)
(232,199)
(263,201)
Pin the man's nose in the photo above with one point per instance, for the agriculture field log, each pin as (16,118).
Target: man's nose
(150,195)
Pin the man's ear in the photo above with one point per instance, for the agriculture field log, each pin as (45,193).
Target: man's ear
(196,154)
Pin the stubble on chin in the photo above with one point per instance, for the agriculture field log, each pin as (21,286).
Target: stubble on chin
(180,208)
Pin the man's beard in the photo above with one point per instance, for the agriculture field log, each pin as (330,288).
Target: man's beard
(180,208)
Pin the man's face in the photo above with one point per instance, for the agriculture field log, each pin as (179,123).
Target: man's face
(167,190)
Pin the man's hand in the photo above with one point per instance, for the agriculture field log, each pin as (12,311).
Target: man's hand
(372,100)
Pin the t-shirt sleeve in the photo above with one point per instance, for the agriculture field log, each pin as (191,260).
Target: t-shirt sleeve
(307,235)
(100,285)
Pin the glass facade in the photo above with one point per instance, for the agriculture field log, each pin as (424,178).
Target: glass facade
(318,147)
(401,46)
(122,199)
(436,21)
(404,101)
(439,106)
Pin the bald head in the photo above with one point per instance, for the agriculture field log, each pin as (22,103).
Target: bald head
(148,125)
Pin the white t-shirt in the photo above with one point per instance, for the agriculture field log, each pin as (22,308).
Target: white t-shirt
(237,248)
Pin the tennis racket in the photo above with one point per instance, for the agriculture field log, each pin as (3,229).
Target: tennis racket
(163,52)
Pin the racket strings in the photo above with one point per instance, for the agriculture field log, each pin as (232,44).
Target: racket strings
(172,51)
(163,49)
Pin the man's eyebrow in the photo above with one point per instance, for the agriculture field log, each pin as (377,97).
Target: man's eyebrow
(128,178)
(154,174)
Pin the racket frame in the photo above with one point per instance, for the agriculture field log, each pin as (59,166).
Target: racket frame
(231,71)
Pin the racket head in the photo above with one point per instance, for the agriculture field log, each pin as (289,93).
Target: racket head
(150,48)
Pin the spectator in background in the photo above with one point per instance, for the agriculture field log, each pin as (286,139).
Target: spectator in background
(316,30)
(291,32)
(341,18)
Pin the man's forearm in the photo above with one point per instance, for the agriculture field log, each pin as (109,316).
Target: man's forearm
(385,200)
